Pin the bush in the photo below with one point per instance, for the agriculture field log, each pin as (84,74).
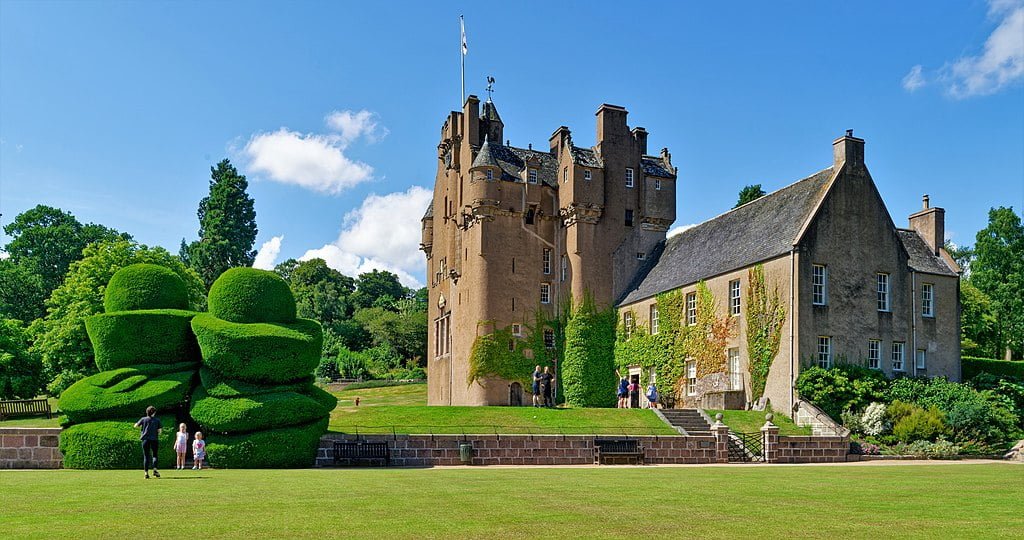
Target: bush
(982,416)
(327,369)
(276,448)
(145,286)
(588,372)
(259,412)
(406,374)
(21,370)
(156,336)
(843,387)
(121,393)
(924,449)
(351,364)
(912,423)
(249,295)
(260,353)
(874,422)
(971,366)
(220,386)
(113,444)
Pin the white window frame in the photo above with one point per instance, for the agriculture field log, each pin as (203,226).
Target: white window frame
(735,373)
(545,293)
(640,255)
(875,354)
(927,300)
(819,285)
(657,184)
(691,378)
(630,177)
(734,298)
(921,360)
(691,309)
(654,319)
(546,261)
(628,323)
(898,356)
(586,174)
(565,174)
(824,356)
(532,177)
(882,290)
(517,329)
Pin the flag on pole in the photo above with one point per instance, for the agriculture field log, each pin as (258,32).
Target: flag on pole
(465,46)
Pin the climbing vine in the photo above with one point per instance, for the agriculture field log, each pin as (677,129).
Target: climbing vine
(492,355)
(765,317)
(588,372)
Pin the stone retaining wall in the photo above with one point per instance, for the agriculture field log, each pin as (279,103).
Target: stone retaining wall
(793,449)
(30,448)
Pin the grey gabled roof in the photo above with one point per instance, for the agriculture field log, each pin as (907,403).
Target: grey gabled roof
(654,166)
(586,157)
(513,160)
(757,231)
(921,257)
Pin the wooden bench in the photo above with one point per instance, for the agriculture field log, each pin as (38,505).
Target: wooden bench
(354,451)
(611,449)
(25,407)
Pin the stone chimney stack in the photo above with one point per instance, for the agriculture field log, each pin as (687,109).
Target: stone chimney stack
(640,135)
(849,150)
(930,223)
(611,123)
(471,115)
(558,138)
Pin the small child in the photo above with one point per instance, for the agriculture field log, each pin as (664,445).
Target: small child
(181,445)
(198,451)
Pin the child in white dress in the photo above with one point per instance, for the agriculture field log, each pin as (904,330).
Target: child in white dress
(181,445)
(198,451)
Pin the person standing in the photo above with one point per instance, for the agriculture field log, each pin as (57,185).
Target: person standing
(547,380)
(652,396)
(623,390)
(150,429)
(536,386)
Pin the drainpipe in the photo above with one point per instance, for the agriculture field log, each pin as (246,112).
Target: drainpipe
(792,330)
(913,316)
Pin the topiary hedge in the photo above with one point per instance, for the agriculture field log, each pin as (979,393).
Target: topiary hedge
(155,336)
(256,413)
(294,446)
(259,353)
(220,386)
(249,295)
(113,444)
(971,366)
(122,393)
(145,286)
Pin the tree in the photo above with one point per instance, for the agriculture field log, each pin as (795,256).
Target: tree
(977,322)
(227,226)
(404,331)
(20,369)
(588,371)
(373,286)
(998,271)
(962,255)
(44,243)
(22,294)
(749,193)
(321,292)
(60,337)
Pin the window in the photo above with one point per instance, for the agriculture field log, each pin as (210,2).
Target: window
(530,213)
(629,177)
(819,285)
(512,345)
(490,174)
(640,255)
(657,184)
(565,174)
(517,329)
(549,338)
(627,323)
(545,293)
(654,319)
(565,267)
(928,300)
(691,309)
(691,378)
(629,218)
(546,261)
(734,297)
(735,375)
(883,292)
(919,360)
(825,352)
(586,175)
(531,176)
(874,354)
(898,352)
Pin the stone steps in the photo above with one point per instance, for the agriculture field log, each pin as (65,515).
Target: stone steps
(689,420)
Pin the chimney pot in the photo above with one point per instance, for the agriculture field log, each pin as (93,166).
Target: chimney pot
(849,133)
(924,202)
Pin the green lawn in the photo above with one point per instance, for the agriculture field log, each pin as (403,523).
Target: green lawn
(751,422)
(402,394)
(906,501)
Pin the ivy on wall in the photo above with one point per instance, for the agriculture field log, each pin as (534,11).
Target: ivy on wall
(491,354)
(765,316)
(588,371)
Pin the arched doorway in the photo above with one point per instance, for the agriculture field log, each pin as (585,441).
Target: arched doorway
(515,395)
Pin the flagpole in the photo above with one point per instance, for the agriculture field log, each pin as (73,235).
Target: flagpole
(462,56)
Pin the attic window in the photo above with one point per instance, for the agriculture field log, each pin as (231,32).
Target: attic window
(490,174)
(657,184)
(565,174)
(532,176)
(640,255)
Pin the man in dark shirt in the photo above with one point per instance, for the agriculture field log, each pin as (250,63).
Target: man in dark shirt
(150,428)
(536,386)
(547,380)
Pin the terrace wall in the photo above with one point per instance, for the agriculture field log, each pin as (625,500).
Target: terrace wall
(30,448)
(807,449)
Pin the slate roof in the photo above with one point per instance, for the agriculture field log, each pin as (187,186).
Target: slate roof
(759,230)
(513,160)
(921,257)
(653,166)
(430,210)
(586,157)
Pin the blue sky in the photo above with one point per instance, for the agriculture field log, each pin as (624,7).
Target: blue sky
(116,110)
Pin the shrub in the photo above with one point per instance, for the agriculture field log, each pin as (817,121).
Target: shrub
(156,336)
(843,387)
(294,446)
(912,423)
(851,420)
(261,353)
(113,444)
(873,421)
(327,369)
(971,366)
(351,364)
(218,385)
(249,295)
(983,416)
(259,412)
(864,448)
(145,286)
(406,374)
(121,393)
(588,372)
(926,449)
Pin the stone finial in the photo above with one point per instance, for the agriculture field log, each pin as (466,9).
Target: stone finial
(718,417)
(769,417)
(768,422)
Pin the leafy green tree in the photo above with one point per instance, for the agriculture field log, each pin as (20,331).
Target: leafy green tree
(321,293)
(371,287)
(977,322)
(227,226)
(22,295)
(749,193)
(963,255)
(998,271)
(44,243)
(60,337)
(404,331)
(20,370)
(588,371)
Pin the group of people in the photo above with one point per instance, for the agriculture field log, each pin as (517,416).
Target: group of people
(628,392)
(543,383)
(150,429)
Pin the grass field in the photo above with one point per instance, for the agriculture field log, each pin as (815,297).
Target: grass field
(751,422)
(904,501)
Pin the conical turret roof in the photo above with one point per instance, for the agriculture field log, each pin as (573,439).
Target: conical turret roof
(485,158)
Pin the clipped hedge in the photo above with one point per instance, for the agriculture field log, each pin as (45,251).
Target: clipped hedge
(259,353)
(294,446)
(971,366)
(249,295)
(145,286)
(155,336)
(113,444)
(255,413)
(122,393)
(220,386)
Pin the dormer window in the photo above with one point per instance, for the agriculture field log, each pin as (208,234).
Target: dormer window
(586,175)
(490,174)
(565,174)
(629,177)
(657,184)
(531,176)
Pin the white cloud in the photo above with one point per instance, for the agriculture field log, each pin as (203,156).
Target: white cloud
(679,228)
(354,124)
(382,234)
(914,79)
(267,254)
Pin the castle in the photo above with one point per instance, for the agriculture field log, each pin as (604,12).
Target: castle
(513,234)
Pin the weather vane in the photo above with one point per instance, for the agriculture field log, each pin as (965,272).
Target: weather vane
(490,87)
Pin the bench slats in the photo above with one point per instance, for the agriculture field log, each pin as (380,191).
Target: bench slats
(613,448)
(25,407)
(361,451)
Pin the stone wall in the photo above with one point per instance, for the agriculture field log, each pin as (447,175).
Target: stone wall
(807,449)
(30,448)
